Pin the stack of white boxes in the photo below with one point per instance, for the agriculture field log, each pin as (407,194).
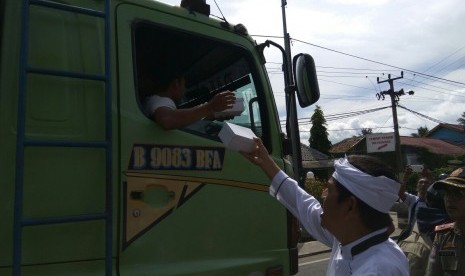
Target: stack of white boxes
(237,137)
(236,110)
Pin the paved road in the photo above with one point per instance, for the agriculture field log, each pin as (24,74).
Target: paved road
(313,265)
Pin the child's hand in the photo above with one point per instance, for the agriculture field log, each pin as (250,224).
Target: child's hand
(222,101)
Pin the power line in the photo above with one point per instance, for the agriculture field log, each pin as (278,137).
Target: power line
(423,85)
(412,80)
(439,81)
(362,58)
(348,72)
(437,71)
(344,84)
(278,71)
(344,129)
(344,115)
(434,90)
(357,69)
(383,124)
(374,61)
(422,115)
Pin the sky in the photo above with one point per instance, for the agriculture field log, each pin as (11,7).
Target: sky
(354,44)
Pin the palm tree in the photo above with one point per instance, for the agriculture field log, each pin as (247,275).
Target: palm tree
(366,131)
(422,132)
(461,120)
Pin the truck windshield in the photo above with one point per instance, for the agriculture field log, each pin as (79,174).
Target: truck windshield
(209,65)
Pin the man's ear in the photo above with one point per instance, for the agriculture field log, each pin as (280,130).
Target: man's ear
(352,206)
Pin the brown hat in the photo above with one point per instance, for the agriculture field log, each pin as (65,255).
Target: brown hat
(456,179)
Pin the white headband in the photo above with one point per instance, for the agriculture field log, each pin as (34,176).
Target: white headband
(378,192)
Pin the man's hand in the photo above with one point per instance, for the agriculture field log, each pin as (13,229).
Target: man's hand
(261,158)
(259,155)
(426,173)
(403,186)
(221,101)
(408,171)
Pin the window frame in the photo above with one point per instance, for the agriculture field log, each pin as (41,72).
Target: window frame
(253,66)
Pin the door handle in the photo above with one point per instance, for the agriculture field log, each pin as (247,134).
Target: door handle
(154,195)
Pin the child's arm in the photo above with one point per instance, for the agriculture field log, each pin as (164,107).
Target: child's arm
(178,118)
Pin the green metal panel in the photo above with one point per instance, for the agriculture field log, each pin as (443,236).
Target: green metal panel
(220,229)
(9,74)
(58,181)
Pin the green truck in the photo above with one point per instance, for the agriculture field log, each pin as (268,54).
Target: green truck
(90,185)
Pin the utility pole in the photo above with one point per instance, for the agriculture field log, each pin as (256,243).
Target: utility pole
(292,125)
(394,99)
(292,130)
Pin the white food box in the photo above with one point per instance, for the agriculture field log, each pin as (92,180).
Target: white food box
(235,110)
(237,138)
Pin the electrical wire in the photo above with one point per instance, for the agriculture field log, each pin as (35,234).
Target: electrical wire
(422,115)
(423,86)
(339,116)
(365,59)
(373,61)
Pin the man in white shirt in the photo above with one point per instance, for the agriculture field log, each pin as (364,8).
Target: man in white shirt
(413,202)
(162,109)
(353,220)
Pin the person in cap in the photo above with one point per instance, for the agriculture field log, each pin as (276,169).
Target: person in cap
(354,217)
(447,255)
(417,246)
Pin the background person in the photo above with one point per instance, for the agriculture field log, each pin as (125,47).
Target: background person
(413,202)
(353,219)
(447,255)
(417,246)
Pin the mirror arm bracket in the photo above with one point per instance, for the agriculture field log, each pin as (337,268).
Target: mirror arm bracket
(287,145)
(267,43)
(290,89)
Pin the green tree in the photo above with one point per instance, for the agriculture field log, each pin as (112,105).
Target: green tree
(366,131)
(461,120)
(318,133)
(422,132)
(315,187)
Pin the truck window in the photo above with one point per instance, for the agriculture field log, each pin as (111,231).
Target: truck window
(210,66)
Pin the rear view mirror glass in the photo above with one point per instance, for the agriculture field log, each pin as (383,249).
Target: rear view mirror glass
(306,82)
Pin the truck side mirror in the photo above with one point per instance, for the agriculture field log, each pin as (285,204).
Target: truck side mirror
(305,80)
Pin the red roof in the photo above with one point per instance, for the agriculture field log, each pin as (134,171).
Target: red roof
(434,145)
(345,144)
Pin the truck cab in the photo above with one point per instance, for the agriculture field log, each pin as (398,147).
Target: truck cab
(91,185)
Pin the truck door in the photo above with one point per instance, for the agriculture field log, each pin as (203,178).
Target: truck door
(188,205)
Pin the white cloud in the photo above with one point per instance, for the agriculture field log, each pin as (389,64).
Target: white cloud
(359,2)
(418,35)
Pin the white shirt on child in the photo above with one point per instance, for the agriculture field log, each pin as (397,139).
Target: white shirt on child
(154,102)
